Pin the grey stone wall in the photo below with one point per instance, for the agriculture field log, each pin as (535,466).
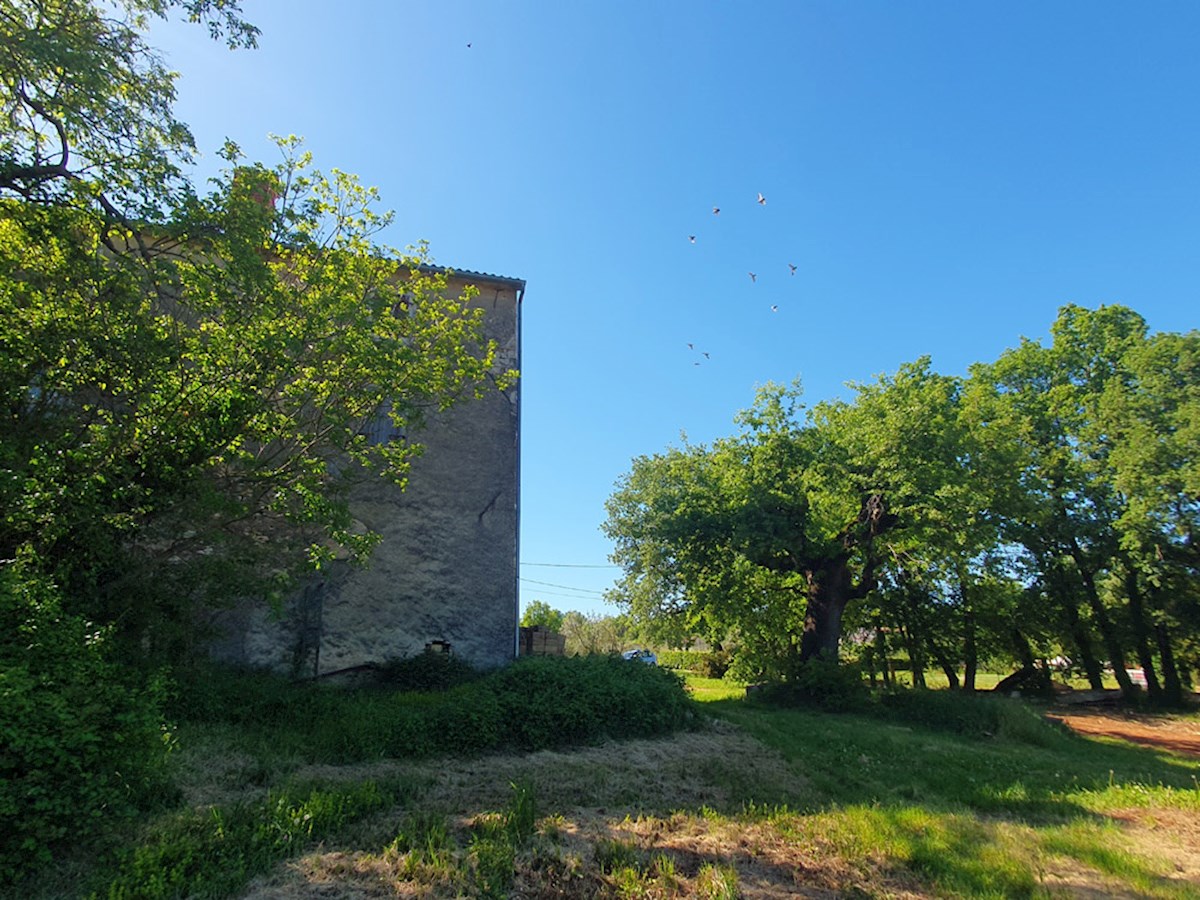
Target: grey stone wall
(446,568)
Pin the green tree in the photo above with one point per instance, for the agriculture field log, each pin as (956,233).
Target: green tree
(589,634)
(541,613)
(188,380)
(772,533)
(1098,432)
(1152,419)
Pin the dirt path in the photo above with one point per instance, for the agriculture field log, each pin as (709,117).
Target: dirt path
(1180,735)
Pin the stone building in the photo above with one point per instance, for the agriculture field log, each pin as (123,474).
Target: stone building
(445,572)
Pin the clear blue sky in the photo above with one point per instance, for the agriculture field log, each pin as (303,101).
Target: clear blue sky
(943,175)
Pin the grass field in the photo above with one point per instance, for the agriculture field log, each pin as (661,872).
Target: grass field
(757,802)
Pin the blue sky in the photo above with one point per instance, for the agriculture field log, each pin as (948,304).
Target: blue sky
(943,175)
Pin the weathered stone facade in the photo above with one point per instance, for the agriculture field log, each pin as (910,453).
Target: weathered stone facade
(446,569)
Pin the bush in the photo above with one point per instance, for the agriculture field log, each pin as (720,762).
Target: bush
(714,664)
(535,703)
(549,702)
(822,684)
(81,738)
(681,660)
(426,672)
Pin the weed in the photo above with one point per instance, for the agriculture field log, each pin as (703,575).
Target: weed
(612,854)
(717,882)
(216,851)
(493,863)
(521,820)
(423,834)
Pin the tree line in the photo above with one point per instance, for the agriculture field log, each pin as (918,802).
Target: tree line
(1045,505)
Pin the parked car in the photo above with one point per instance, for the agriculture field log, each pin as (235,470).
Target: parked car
(646,656)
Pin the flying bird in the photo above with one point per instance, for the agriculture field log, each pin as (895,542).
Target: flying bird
(468,46)
(706,356)
(690,347)
(762,201)
(716,210)
(753,277)
(774,308)
(692,238)
(792,267)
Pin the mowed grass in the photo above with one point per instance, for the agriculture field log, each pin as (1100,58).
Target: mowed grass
(759,801)
(990,817)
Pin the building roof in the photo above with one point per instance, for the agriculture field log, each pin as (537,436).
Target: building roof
(468,274)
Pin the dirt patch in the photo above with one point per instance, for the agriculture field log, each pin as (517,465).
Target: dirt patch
(649,797)
(1182,735)
(1172,835)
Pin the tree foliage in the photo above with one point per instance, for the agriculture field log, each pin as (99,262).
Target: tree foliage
(540,613)
(190,381)
(1047,504)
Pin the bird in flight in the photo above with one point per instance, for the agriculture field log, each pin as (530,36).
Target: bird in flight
(692,238)
(706,356)
(753,277)
(774,308)
(690,347)
(762,201)
(468,46)
(716,210)
(792,267)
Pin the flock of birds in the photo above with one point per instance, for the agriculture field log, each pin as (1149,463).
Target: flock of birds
(716,211)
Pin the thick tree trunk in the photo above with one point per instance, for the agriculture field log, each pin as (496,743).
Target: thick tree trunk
(829,590)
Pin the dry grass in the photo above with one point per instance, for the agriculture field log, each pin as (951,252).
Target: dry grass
(657,818)
(675,804)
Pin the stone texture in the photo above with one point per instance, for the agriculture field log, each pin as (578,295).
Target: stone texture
(446,568)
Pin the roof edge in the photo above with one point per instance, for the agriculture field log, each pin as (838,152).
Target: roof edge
(468,274)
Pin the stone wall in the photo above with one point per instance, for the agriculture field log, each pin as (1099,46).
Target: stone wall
(446,569)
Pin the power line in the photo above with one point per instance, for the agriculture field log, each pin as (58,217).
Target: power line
(572,565)
(542,592)
(564,587)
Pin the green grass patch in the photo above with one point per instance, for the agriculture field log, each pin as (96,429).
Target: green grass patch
(977,802)
(706,690)
(213,852)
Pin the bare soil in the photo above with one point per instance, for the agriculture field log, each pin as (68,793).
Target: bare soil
(1181,735)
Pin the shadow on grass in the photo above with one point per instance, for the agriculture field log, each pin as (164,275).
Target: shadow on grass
(854,759)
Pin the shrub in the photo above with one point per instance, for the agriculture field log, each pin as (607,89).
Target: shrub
(681,660)
(714,664)
(81,738)
(535,703)
(551,702)
(426,672)
(822,684)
